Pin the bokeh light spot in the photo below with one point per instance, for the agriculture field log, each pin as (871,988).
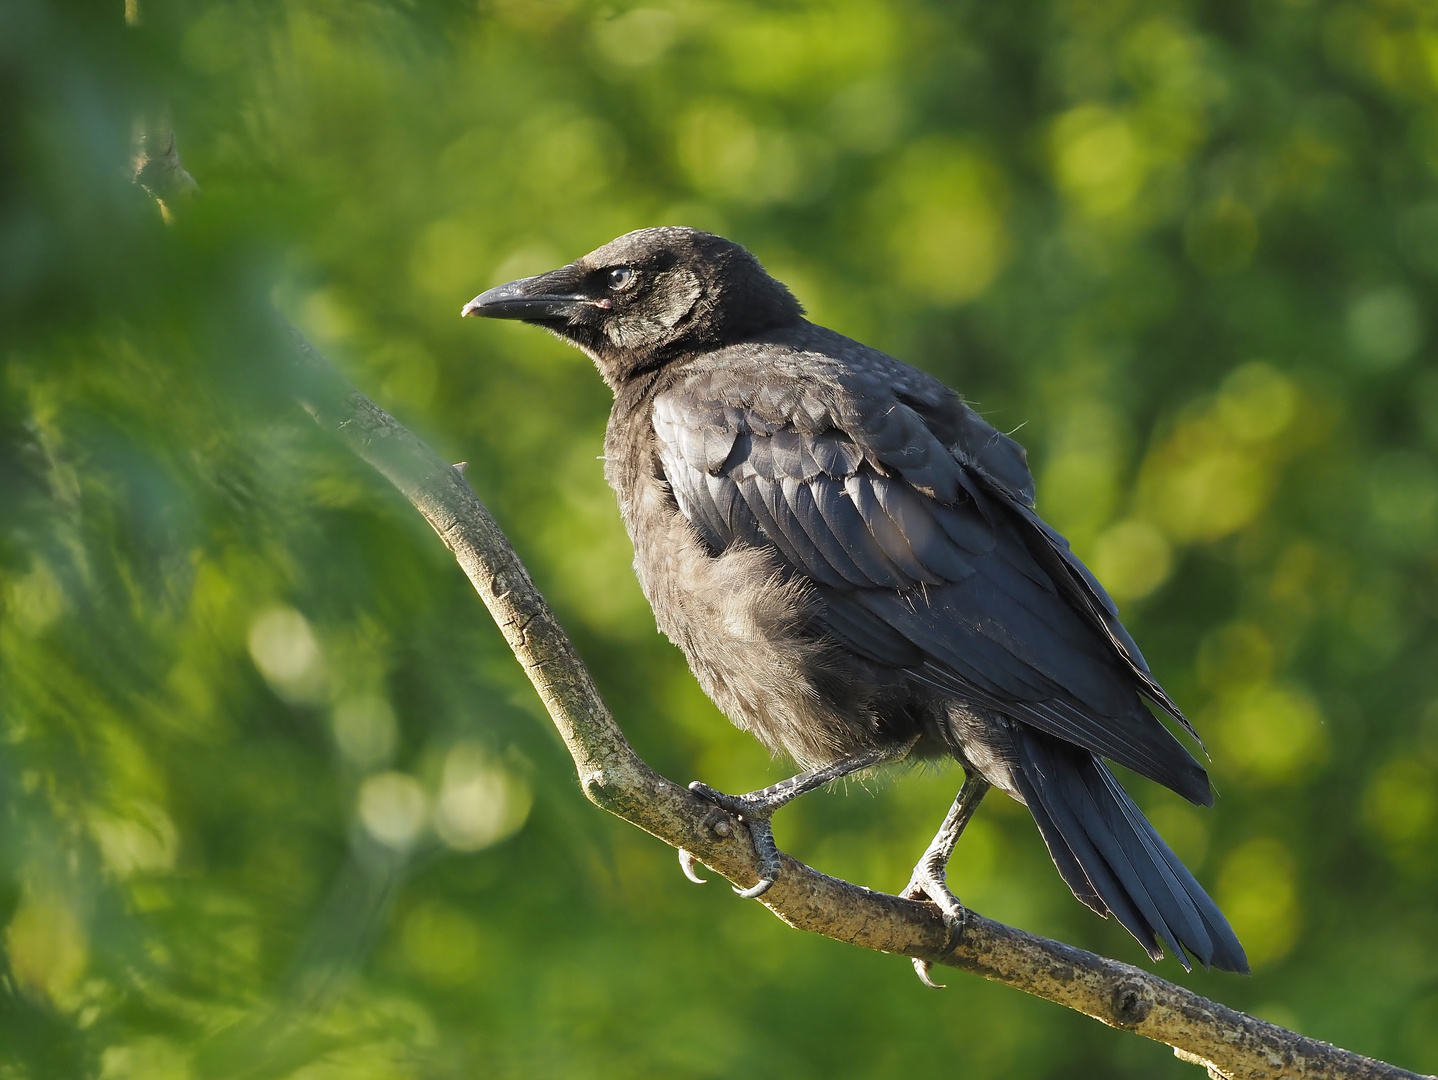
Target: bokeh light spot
(941,209)
(480,801)
(1098,160)
(48,946)
(1256,402)
(571,156)
(1271,733)
(637,37)
(365,730)
(1079,484)
(1384,327)
(35,600)
(1400,803)
(393,808)
(146,1059)
(287,654)
(1257,889)
(1201,483)
(325,315)
(1210,495)
(1131,559)
(143,839)
(726,156)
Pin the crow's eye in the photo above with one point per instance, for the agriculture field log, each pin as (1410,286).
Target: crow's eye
(620,278)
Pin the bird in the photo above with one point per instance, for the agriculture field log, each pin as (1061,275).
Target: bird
(850,558)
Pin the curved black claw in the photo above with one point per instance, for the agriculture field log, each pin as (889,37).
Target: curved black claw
(755,816)
(926,885)
(687,863)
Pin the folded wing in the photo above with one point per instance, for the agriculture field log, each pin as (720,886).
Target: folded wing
(914,522)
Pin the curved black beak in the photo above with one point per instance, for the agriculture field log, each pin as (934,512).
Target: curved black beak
(532,299)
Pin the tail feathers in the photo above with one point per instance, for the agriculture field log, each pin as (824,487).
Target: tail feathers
(1113,860)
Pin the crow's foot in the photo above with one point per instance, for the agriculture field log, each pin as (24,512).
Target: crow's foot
(756,808)
(927,884)
(754,811)
(929,881)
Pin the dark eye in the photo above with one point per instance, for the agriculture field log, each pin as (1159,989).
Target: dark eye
(620,278)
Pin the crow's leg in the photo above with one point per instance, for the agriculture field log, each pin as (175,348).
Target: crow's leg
(756,808)
(929,882)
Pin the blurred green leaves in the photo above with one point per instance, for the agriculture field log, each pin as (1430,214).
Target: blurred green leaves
(277,801)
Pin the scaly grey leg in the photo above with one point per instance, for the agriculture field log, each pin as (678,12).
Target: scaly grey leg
(929,881)
(756,808)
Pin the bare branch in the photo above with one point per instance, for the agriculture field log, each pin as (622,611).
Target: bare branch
(1226,1042)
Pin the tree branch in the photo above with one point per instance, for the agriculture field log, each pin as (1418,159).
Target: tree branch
(1228,1043)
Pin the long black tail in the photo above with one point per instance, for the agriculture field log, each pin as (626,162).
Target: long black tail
(1112,858)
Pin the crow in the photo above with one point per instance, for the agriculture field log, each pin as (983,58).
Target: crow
(850,559)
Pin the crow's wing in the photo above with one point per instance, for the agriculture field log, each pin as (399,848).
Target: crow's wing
(913,519)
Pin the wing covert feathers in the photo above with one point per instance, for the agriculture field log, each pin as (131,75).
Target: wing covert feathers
(914,518)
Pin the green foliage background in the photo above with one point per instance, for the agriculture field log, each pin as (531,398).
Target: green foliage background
(277,802)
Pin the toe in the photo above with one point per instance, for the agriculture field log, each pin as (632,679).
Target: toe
(936,891)
(737,805)
(755,817)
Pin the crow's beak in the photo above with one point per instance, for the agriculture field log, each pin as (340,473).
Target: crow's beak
(534,299)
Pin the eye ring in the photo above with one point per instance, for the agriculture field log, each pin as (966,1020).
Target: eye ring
(620,278)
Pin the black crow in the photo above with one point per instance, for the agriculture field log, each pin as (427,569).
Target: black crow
(850,559)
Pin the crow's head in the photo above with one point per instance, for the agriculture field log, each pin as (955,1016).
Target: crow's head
(648,297)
